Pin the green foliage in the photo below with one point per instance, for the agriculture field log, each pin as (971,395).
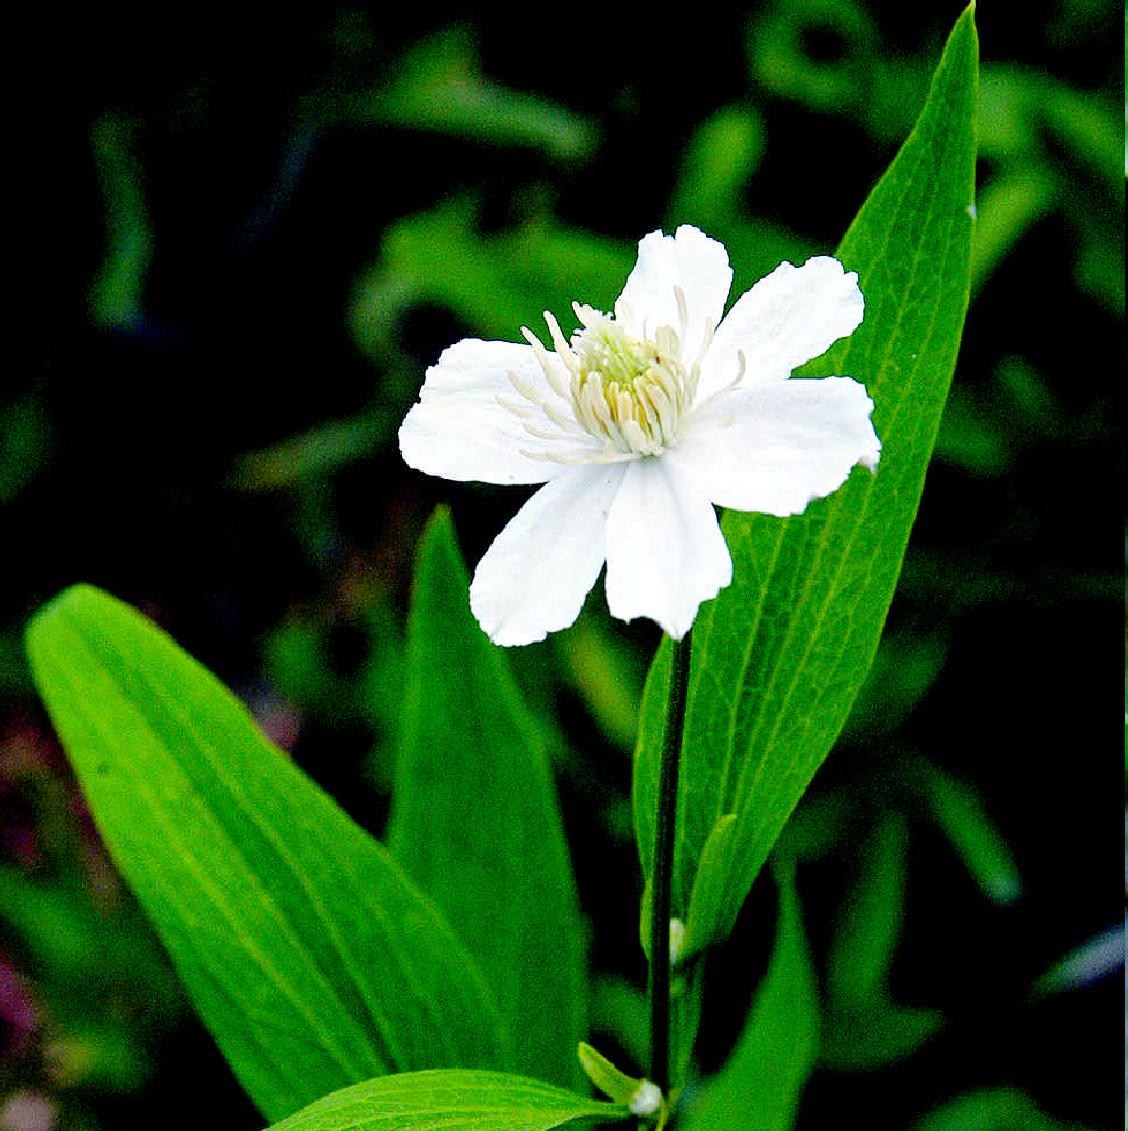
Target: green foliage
(960,813)
(780,655)
(300,662)
(310,956)
(864,1026)
(106,1027)
(609,1079)
(495,283)
(871,921)
(451,1100)
(1043,137)
(116,294)
(992,1109)
(438,85)
(475,820)
(780,60)
(760,1086)
(720,160)
(454,167)
(25,441)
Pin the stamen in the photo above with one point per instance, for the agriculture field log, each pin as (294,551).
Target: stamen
(683,312)
(624,314)
(561,418)
(522,412)
(545,361)
(579,456)
(535,399)
(628,393)
(525,389)
(540,433)
(563,350)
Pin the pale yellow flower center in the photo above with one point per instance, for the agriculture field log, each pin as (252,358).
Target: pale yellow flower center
(629,392)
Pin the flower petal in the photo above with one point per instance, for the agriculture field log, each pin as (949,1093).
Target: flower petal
(773,448)
(534,577)
(461,430)
(665,550)
(787,318)
(688,259)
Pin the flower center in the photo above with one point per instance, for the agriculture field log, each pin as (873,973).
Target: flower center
(629,389)
(630,392)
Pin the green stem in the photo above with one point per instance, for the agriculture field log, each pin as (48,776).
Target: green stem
(660,892)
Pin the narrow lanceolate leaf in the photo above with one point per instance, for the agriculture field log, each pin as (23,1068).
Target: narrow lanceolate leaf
(869,923)
(453,1101)
(309,954)
(475,820)
(864,1027)
(959,811)
(780,655)
(759,1087)
(636,1092)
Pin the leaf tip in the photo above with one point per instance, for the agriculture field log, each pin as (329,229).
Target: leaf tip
(49,613)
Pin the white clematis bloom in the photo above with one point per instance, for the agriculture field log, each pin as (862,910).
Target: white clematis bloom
(637,425)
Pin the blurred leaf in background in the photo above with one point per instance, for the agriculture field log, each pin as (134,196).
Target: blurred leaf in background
(72,1035)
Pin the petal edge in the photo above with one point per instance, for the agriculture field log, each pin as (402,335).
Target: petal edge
(534,577)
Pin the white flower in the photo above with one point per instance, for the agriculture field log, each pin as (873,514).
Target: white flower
(638,425)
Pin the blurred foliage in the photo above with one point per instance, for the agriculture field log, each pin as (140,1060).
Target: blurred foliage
(117,292)
(246,241)
(438,85)
(1001,1109)
(96,995)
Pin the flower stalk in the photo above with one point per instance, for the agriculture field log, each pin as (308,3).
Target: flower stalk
(658,988)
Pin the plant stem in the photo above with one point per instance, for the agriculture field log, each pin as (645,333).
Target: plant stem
(660,892)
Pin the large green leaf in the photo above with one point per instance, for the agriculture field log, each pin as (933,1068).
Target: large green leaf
(759,1087)
(475,820)
(453,1101)
(309,954)
(779,656)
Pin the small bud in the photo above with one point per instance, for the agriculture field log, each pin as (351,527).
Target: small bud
(677,940)
(647,1099)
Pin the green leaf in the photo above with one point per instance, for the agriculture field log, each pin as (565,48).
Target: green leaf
(439,85)
(722,155)
(494,282)
(453,1101)
(609,1079)
(117,294)
(25,444)
(992,1109)
(864,1027)
(869,923)
(707,900)
(780,655)
(310,956)
(759,1087)
(861,1036)
(959,811)
(475,820)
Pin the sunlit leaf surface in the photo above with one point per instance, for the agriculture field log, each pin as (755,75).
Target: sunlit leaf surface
(780,655)
(311,957)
